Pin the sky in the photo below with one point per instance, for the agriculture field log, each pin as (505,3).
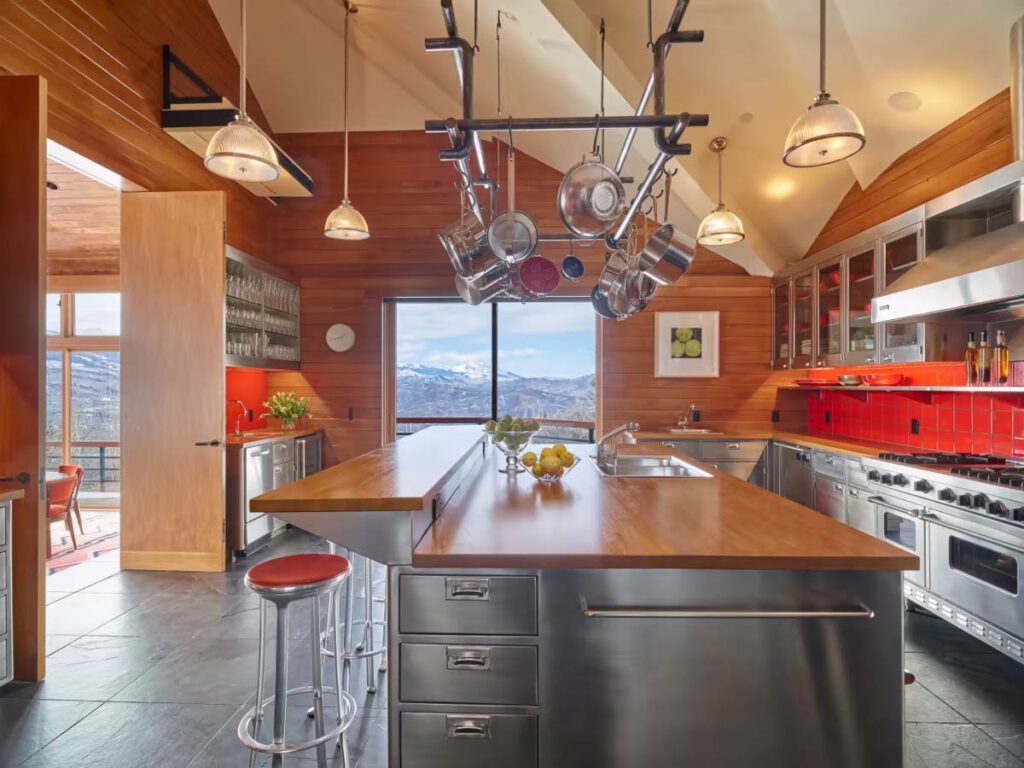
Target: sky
(96,314)
(553,339)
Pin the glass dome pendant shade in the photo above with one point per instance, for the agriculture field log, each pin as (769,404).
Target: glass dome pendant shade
(827,132)
(721,226)
(345,222)
(240,150)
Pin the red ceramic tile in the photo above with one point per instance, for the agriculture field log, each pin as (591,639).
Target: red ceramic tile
(964,401)
(982,422)
(1002,446)
(1018,447)
(982,403)
(1018,422)
(981,443)
(943,400)
(963,441)
(944,441)
(944,420)
(963,420)
(1002,423)
(929,439)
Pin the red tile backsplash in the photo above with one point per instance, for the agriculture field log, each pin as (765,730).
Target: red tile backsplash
(961,421)
(249,386)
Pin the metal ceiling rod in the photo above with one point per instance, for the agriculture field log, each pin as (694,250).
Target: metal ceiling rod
(682,122)
(462,55)
(566,237)
(459,155)
(627,143)
(661,46)
(584,123)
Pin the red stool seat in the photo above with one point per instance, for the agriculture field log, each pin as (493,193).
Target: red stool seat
(296,570)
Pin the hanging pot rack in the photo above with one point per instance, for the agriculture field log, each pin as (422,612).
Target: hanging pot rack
(464,132)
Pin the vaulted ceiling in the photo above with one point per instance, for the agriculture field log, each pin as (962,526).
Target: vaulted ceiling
(754,74)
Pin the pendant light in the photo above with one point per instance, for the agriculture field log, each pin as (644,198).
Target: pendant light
(240,150)
(721,226)
(345,222)
(827,132)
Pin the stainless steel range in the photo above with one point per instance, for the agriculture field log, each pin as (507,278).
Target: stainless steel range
(963,515)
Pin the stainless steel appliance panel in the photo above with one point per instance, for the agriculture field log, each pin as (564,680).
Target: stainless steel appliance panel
(832,464)
(751,471)
(732,450)
(284,474)
(3,570)
(308,455)
(458,740)
(685,447)
(795,475)
(5,660)
(258,526)
(284,451)
(468,674)
(3,614)
(830,497)
(860,513)
(259,474)
(3,525)
(978,573)
(902,525)
(468,605)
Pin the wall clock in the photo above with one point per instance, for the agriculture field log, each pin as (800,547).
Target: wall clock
(340,337)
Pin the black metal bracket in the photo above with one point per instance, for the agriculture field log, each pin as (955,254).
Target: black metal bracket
(172,62)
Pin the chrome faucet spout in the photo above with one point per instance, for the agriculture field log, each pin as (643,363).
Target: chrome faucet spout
(626,429)
(242,412)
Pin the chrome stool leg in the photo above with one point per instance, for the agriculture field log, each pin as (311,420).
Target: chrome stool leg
(318,682)
(280,682)
(370,639)
(261,664)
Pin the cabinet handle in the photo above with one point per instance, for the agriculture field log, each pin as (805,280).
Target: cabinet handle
(732,446)
(469,727)
(887,358)
(837,486)
(468,658)
(853,492)
(644,612)
(830,460)
(869,358)
(468,589)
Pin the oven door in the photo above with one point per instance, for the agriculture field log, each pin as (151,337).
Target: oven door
(980,575)
(902,525)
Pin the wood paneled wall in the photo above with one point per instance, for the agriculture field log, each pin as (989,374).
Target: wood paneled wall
(102,62)
(407,195)
(975,144)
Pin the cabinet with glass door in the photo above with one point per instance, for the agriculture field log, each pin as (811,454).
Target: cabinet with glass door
(803,319)
(261,313)
(782,324)
(829,325)
(861,287)
(901,342)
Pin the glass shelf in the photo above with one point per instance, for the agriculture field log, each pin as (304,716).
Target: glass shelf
(262,315)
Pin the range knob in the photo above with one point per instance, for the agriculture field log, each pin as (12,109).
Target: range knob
(886,479)
(965,500)
(998,508)
(947,494)
(1017,515)
(899,480)
(980,501)
(874,474)
(922,486)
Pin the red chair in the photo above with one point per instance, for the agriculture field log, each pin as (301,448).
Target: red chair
(59,496)
(78,472)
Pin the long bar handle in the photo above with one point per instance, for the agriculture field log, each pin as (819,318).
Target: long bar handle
(642,612)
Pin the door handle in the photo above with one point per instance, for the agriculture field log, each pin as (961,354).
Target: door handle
(210,443)
(21,477)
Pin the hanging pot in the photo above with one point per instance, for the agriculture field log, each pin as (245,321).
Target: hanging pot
(465,241)
(600,302)
(662,260)
(590,198)
(538,276)
(486,286)
(616,262)
(512,235)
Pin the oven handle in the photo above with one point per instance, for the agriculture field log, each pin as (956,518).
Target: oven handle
(919,513)
(646,612)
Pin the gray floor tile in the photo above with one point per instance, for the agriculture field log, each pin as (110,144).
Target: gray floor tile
(175,616)
(923,706)
(52,596)
(120,735)
(943,745)
(927,633)
(55,642)
(81,575)
(1010,737)
(79,614)
(28,726)
(983,687)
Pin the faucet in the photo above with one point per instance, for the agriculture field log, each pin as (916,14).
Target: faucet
(238,419)
(602,451)
(684,420)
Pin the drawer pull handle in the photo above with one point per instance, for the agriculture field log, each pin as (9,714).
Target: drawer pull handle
(829,460)
(645,612)
(732,446)
(469,727)
(472,659)
(468,589)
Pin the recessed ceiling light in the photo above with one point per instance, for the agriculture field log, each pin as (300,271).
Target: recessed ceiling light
(905,101)
(747,117)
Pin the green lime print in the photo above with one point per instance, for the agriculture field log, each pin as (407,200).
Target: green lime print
(686,342)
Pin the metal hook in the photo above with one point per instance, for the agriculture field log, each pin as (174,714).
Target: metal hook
(650,27)
(597,132)
(511,147)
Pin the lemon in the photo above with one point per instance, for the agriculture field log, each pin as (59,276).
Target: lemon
(568,459)
(693,348)
(545,452)
(557,471)
(537,469)
(559,448)
(551,465)
(529,459)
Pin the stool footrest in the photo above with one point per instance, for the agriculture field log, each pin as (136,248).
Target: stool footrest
(249,719)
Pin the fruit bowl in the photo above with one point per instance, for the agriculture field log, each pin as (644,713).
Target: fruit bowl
(511,436)
(550,465)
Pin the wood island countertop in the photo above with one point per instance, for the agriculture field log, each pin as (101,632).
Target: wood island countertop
(586,520)
(11,494)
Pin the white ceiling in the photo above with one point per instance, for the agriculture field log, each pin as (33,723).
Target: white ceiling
(759,59)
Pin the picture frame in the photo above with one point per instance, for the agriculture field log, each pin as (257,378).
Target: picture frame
(686,345)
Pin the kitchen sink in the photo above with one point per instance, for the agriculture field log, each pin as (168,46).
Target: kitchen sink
(649,466)
(692,431)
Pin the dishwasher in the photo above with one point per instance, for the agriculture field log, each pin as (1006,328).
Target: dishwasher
(794,476)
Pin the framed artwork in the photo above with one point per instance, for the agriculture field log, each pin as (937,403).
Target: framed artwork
(686,344)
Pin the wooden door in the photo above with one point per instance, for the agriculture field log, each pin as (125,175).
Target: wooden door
(172,381)
(22,351)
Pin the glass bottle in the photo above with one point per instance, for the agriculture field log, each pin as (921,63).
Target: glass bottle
(984,360)
(1001,360)
(971,360)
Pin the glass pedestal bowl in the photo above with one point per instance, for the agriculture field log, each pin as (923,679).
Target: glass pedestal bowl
(512,443)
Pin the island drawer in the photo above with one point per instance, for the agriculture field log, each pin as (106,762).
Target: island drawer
(468,674)
(3,569)
(441,740)
(3,525)
(831,464)
(467,605)
(732,450)
(3,614)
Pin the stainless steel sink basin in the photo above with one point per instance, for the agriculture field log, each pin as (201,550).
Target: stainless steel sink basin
(649,466)
(692,431)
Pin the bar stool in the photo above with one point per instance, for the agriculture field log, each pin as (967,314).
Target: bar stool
(283,581)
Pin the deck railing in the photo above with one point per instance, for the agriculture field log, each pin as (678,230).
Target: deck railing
(564,430)
(101,460)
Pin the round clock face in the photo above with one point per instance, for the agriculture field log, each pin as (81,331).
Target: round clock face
(340,337)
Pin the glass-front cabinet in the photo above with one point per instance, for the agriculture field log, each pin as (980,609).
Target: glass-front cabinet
(901,342)
(261,313)
(782,291)
(861,288)
(803,319)
(830,319)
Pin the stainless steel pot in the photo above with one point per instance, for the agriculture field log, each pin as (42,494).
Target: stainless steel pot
(600,301)
(465,241)
(616,262)
(590,198)
(663,260)
(512,235)
(486,287)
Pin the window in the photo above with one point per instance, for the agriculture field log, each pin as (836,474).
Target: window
(53,314)
(54,410)
(96,417)
(97,314)
(458,363)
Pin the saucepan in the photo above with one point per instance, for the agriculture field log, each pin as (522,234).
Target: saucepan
(491,281)
(663,260)
(600,301)
(512,234)
(590,198)
(464,241)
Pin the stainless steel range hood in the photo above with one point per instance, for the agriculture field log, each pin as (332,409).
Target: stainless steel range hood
(981,274)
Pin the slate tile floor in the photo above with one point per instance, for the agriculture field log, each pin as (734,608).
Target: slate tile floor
(152,669)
